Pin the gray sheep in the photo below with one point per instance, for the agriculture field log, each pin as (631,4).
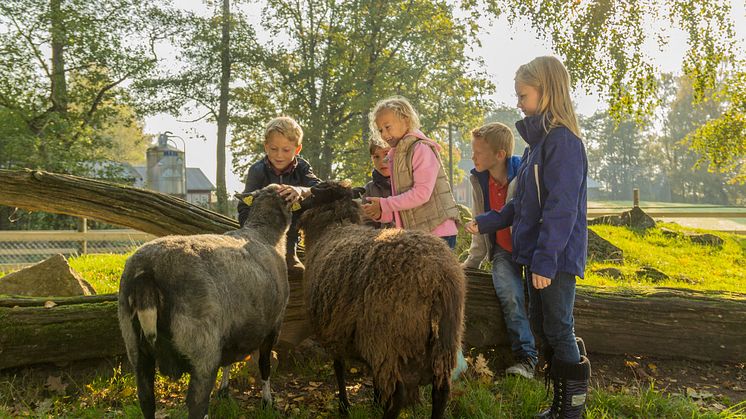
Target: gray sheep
(195,303)
(392,298)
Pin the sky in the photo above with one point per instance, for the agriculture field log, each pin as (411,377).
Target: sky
(503,49)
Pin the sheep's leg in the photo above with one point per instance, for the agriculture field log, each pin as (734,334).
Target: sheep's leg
(376,396)
(145,375)
(224,382)
(339,372)
(265,366)
(440,398)
(198,395)
(395,404)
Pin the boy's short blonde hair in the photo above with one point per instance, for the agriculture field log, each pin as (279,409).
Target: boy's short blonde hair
(498,136)
(375,144)
(286,126)
(401,108)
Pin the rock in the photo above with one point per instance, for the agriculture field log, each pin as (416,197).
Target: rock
(610,272)
(601,250)
(705,239)
(672,234)
(637,218)
(50,278)
(651,273)
(612,220)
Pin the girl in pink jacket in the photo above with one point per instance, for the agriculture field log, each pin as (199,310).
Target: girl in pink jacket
(421,197)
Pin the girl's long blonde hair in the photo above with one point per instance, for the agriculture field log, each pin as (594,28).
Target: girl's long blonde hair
(550,77)
(401,108)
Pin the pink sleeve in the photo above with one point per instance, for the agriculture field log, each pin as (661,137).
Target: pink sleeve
(425,167)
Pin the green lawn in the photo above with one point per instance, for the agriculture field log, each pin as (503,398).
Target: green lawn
(689,265)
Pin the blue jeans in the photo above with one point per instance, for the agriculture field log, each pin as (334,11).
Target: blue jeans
(508,282)
(550,312)
(450,240)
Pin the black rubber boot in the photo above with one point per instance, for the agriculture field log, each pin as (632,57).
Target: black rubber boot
(570,382)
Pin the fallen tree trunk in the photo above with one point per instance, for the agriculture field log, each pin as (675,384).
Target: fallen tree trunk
(148,211)
(663,324)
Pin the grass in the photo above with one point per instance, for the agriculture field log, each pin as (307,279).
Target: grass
(689,265)
(475,396)
(102,271)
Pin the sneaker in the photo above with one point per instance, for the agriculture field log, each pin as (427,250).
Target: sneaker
(524,368)
(461,366)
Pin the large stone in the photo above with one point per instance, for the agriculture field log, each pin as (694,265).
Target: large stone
(654,275)
(635,218)
(50,278)
(706,239)
(601,250)
(610,272)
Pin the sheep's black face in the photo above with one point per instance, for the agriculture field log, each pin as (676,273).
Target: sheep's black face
(328,192)
(267,202)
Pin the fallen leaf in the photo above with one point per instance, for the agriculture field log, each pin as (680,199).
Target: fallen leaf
(55,384)
(353,370)
(49,304)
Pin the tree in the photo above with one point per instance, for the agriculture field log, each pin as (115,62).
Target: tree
(224,41)
(603,45)
(616,154)
(62,67)
(313,71)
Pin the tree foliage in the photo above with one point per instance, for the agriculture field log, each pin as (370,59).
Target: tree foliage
(53,110)
(328,62)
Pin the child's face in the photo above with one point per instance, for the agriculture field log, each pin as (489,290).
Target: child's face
(391,127)
(280,150)
(483,156)
(379,161)
(528,98)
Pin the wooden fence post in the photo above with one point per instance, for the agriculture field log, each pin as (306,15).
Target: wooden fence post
(83,228)
(635,197)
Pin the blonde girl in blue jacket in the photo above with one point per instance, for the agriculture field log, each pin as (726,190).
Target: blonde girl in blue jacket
(548,215)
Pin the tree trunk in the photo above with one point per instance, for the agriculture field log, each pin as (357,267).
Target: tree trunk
(225,78)
(664,324)
(143,210)
(58,83)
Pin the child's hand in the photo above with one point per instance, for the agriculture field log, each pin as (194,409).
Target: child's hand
(373,210)
(290,193)
(539,281)
(472,227)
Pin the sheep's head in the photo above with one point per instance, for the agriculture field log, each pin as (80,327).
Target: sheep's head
(267,204)
(330,201)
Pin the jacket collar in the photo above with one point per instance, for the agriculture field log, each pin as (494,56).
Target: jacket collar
(284,172)
(532,128)
(381,180)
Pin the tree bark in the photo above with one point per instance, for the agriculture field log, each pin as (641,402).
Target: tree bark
(664,323)
(143,210)
(225,78)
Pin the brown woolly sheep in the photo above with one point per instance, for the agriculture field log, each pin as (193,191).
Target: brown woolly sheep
(393,299)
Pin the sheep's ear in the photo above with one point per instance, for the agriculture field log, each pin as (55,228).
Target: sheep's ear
(246,198)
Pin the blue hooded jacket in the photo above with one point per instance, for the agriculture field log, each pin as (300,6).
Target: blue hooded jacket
(483,178)
(550,230)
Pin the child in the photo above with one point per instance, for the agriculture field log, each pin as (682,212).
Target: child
(421,196)
(380,186)
(493,184)
(281,164)
(548,214)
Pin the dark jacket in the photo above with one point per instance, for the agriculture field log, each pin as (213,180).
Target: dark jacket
(550,232)
(379,187)
(262,174)
(483,245)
